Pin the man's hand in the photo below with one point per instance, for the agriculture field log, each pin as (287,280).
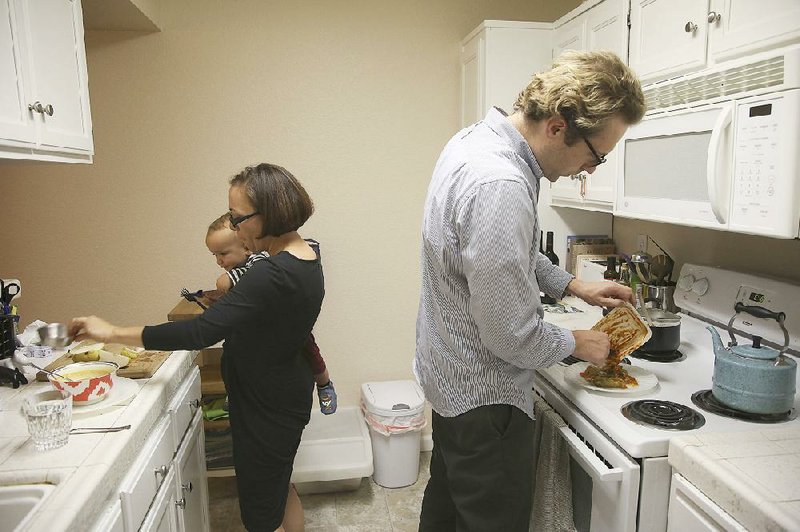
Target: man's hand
(591,346)
(601,293)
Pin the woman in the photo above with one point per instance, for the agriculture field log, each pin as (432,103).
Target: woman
(265,320)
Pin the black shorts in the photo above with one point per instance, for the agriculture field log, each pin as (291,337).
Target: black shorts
(481,472)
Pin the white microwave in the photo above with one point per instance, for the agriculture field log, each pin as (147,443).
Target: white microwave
(719,149)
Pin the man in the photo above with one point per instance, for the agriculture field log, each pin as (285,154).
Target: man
(480,333)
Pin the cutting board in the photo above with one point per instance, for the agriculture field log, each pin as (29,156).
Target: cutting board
(186,310)
(141,367)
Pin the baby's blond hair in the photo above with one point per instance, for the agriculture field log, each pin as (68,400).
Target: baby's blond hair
(223,222)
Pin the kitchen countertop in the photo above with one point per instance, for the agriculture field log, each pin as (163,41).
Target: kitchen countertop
(753,476)
(88,470)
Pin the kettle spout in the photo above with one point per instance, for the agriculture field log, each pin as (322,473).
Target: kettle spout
(717,340)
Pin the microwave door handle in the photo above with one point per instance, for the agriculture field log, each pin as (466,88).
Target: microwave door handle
(598,470)
(723,121)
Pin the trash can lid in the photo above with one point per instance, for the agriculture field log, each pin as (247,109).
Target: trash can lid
(393,398)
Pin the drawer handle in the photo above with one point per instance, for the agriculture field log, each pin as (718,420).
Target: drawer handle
(181,503)
(161,470)
(187,487)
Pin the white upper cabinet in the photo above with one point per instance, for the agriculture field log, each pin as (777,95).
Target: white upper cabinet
(604,26)
(498,59)
(672,37)
(16,126)
(51,121)
(743,26)
(667,37)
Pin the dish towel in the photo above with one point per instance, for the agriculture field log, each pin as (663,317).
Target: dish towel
(552,488)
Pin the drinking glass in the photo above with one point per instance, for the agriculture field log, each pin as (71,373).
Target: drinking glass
(49,417)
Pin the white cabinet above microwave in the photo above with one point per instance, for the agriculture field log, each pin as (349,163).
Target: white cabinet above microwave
(669,37)
(728,162)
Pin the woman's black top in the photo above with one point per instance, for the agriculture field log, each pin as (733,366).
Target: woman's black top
(265,321)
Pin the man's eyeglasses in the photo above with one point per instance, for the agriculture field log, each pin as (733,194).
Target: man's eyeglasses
(600,158)
(236,220)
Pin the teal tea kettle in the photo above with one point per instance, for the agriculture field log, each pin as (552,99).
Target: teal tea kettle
(754,378)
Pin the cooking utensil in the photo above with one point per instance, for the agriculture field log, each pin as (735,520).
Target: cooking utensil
(660,268)
(8,292)
(640,301)
(754,378)
(641,263)
(53,373)
(189,296)
(54,335)
(98,430)
(660,296)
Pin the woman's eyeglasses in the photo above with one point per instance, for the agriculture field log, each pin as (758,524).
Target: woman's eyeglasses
(236,220)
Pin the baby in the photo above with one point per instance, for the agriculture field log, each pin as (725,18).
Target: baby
(236,259)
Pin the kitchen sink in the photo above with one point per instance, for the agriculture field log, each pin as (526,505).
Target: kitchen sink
(18,503)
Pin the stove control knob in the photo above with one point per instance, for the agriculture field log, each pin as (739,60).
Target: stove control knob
(700,286)
(685,282)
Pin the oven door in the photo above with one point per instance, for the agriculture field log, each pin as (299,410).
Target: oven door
(676,167)
(605,481)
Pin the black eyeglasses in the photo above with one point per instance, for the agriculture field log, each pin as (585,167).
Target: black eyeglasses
(236,220)
(600,158)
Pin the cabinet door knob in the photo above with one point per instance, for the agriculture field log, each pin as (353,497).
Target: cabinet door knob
(187,487)
(713,17)
(690,27)
(181,503)
(48,110)
(194,403)
(36,107)
(161,470)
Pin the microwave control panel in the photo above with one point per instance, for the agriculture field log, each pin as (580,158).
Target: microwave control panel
(765,165)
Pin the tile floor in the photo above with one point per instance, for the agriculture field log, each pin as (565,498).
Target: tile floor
(371,508)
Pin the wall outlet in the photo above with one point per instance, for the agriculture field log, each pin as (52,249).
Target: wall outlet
(6,281)
(641,242)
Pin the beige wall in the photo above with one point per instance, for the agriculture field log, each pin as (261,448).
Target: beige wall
(356,98)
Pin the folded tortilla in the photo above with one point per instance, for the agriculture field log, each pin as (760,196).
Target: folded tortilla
(626,331)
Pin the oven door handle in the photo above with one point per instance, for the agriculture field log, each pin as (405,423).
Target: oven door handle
(586,457)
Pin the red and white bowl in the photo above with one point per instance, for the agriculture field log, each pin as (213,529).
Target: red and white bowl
(86,382)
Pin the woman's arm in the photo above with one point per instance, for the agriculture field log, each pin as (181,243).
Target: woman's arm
(94,328)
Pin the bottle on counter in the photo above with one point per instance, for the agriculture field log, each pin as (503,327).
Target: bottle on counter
(548,251)
(541,242)
(611,273)
(624,274)
(550,254)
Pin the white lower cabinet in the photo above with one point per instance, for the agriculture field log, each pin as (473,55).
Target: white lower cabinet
(690,509)
(191,485)
(166,488)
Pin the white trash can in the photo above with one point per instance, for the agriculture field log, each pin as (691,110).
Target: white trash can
(395,414)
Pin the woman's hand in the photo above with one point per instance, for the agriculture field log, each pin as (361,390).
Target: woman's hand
(601,293)
(94,328)
(91,328)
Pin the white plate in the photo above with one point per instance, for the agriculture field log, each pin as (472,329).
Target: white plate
(121,393)
(646,379)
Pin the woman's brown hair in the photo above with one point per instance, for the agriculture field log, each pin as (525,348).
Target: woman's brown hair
(277,195)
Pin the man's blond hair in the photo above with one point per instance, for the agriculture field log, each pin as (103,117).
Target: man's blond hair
(586,89)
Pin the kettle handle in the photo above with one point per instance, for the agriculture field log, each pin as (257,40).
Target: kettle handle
(760,312)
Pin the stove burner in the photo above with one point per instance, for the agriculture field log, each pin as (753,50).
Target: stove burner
(706,400)
(668,356)
(663,415)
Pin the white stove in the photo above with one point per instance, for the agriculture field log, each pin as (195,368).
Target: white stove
(638,496)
